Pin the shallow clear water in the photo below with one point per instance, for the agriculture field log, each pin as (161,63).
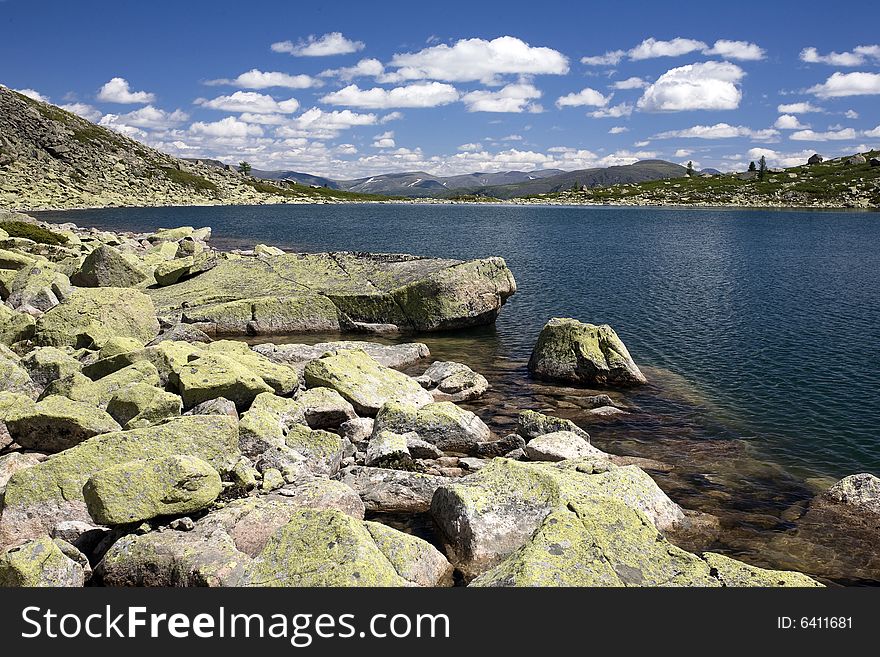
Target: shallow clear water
(759,331)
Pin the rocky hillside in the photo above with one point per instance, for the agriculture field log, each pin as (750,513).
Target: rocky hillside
(50,158)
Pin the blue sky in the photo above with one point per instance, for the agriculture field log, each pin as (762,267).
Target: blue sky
(356,89)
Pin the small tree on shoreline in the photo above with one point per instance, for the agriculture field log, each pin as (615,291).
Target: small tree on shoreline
(245,168)
(762,167)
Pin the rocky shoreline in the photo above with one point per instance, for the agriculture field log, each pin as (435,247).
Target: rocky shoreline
(141,446)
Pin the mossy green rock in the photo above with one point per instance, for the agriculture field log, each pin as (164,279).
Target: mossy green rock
(443,424)
(364,383)
(107,267)
(284,380)
(569,350)
(531,424)
(57,423)
(171,271)
(46,364)
(325,408)
(38,288)
(487,515)
(322,449)
(267,422)
(13,377)
(143,405)
(80,388)
(168,357)
(321,548)
(15,326)
(47,493)
(299,313)
(91,316)
(211,375)
(733,573)
(144,489)
(39,563)
(414,559)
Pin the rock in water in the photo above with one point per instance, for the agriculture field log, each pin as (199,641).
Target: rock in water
(860,492)
(561,445)
(91,316)
(140,490)
(363,382)
(569,350)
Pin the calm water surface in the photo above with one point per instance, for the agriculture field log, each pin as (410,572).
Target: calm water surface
(759,330)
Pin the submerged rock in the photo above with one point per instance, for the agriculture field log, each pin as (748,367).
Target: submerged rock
(569,350)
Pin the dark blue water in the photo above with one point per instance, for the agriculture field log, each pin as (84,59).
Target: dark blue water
(772,318)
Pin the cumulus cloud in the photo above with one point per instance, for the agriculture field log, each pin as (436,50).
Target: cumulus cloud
(117,90)
(777,158)
(84,110)
(682,152)
(364,68)
(613,112)
(511,98)
(470,148)
(391,116)
(851,114)
(742,50)
(831,135)
(610,58)
(630,83)
(385,140)
(586,97)
(257,79)
(148,117)
(478,60)
(789,122)
(798,108)
(33,94)
(230,127)
(873,133)
(618,129)
(858,56)
(848,84)
(705,86)
(426,94)
(333,43)
(319,124)
(718,131)
(651,48)
(249,101)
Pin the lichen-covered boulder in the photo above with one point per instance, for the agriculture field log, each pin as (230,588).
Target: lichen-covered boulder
(39,497)
(414,559)
(57,423)
(46,364)
(80,388)
(569,350)
(733,573)
(531,424)
(211,375)
(443,424)
(393,491)
(322,449)
(451,381)
(363,382)
(13,377)
(14,461)
(168,357)
(292,313)
(39,562)
(266,423)
(37,289)
(486,516)
(389,355)
(559,446)
(283,380)
(91,316)
(325,408)
(107,267)
(15,326)
(386,448)
(140,490)
(171,271)
(142,405)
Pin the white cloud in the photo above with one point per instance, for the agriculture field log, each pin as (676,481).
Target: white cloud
(385,140)
(651,47)
(346,149)
(798,108)
(705,86)
(264,119)
(848,84)
(426,94)
(586,97)
(257,79)
(148,117)
(364,68)
(736,50)
(117,91)
(630,83)
(789,122)
(851,114)
(511,98)
(329,44)
(33,94)
(478,59)
(613,112)
(470,148)
(391,116)
(618,129)
(512,138)
(682,152)
(610,58)
(858,56)
(775,158)
(318,124)
(229,127)
(831,135)
(249,101)
(84,110)
(872,133)
(718,131)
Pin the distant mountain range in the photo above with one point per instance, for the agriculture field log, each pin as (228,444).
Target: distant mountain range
(503,185)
